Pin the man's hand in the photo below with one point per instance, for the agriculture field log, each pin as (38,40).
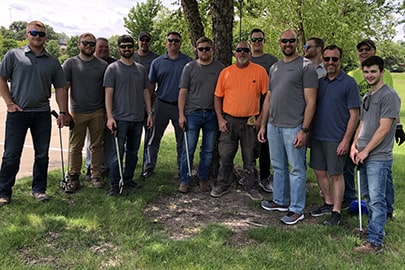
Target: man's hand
(399,135)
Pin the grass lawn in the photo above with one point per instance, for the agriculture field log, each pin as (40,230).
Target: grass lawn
(90,230)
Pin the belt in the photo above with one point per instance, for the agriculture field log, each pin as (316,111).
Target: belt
(168,102)
(204,110)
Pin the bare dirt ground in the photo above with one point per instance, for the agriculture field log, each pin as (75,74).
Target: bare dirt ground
(182,216)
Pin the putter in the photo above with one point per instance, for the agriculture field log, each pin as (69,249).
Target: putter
(121,183)
(359,199)
(187,152)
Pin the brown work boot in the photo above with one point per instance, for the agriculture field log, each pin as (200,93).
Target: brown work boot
(73,183)
(368,248)
(97,182)
(183,188)
(204,186)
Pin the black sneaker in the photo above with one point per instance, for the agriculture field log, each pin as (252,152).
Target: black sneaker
(346,203)
(334,220)
(148,173)
(292,218)
(132,185)
(88,174)
(114,190)
(323,210)
(266,184)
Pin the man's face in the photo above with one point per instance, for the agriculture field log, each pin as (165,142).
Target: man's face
(87,46)
(332,61)
(144,43)
(36,36)
(257,42)
(288,43)
(173,43)
(372,75)
(242,54)
(126,49)
(102,49)
(310,49)
(365,52)
(205,51)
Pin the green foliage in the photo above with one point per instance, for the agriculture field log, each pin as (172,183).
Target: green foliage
(71,46)
(7,45)
(141,17)
(113,42)
(53,48)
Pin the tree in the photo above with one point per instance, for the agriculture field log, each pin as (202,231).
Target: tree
(71,46)
(53,47)
(193,19)
(7,45)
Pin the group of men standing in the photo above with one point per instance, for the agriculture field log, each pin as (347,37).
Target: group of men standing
(273,108)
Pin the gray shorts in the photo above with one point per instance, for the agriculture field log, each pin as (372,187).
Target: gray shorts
(323,157)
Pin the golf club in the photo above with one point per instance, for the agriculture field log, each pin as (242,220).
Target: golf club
(121,183)
(187,152)
(359,199)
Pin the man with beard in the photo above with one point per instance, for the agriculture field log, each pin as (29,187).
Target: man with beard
(287,111)
(126,98)
(237,105)
(84,74)
(334,123)
(313,51)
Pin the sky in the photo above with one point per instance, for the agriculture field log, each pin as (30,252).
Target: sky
(103,18)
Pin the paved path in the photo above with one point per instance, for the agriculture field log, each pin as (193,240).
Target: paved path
(27,159)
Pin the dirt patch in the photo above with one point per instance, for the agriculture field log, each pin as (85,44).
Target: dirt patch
(182,216)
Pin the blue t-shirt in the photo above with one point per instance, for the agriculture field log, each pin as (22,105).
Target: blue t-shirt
(166,72)
(335,98)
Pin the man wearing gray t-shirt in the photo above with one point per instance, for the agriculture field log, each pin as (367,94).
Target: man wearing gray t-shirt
(288,111)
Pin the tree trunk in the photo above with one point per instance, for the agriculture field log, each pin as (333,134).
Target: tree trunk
(193,19)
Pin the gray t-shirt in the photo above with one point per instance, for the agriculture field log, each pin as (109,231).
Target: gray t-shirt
(31,77)
(145,60)
(286,84)
(86,83)
(385,103)
(200,80)
(128,83)
(266,61)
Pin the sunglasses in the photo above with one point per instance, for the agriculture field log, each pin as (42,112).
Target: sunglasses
(37,33)
(240,49)
(286,40)
(144,40)
(257,39)
(175,40)
(334,59)
(129,46)
(207,49)
(91,43)
(364,49)
(307,47)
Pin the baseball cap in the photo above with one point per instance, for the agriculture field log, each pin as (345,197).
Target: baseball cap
(144,34)
(367,42)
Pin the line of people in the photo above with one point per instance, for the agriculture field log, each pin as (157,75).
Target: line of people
(274,109)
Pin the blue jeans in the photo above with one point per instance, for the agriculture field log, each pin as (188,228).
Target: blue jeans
(373,181)
(129,140)
(17,125)
(288,184)
(196,121)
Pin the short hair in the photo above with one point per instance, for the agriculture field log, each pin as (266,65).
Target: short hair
(102,39)
(333,47)
(174,33)
(243,41)
(125,38)
(86,35)
(257,30)
(318,42)
(37,24)
(373,60)
(202,40)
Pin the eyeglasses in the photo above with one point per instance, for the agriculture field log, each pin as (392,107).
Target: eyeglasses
(37,33)
(240,49)
(144,39)
(307,47)
(334,59)
(129,46)
(175,40)
(364,49)
(207,49)
(257,39)
(286,40)
(366,102)
(91,43)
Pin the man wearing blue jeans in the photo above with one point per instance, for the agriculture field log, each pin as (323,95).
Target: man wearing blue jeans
(372,150)
(287,111)
(31,71)
(196,112)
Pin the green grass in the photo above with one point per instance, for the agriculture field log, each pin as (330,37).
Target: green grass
(90,230)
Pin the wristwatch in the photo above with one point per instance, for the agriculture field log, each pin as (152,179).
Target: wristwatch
(305,130)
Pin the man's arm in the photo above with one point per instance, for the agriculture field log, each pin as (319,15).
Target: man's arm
(5,93)
(108,108)
(265,118)
(148,105)
(344,145)
(310,101)
(218,110)
(182,104)
(61,96)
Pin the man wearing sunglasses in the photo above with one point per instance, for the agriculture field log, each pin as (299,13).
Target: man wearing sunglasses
(287,113)
(257,41)
(196,112)
(127,97)
(335,120)
(237,105)
(31,71)
(313,51)
(165,72)
(84,74)
(372,150)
